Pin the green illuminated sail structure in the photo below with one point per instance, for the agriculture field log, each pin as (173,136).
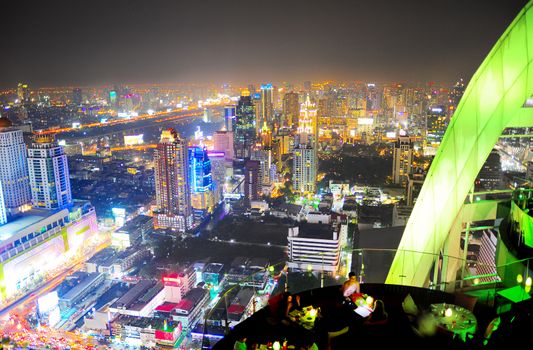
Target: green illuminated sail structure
(494,99)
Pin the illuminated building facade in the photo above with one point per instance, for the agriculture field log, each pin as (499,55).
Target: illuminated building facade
(304,168)
(172,183)
(23,93)
(244,133)
(3,211)
(201,180)
(223,141)
(267,104)
(490,176)
(402,160)
(308,123)
(251,179)
(436,123)
(291,109)
(229,117)
(49,174)
(266,167)
(35,242)
(199,170)
(13,168)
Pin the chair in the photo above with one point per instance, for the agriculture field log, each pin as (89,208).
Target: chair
(410,308)
(466,301)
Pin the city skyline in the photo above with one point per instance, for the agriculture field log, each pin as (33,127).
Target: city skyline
(325,149)
(183,42)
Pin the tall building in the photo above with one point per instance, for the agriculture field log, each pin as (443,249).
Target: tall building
(223,141)
(200,177)
(402,160)
(308,123)
(244,132)
(13,168)
(251,180)
(267,103)
(304,168)
(201,181)
(76,96)
(291,109)
(3,211)
(49,174)
(490,176)
(267,169)
(218,171)
(229,117)
(172,183)
(436,123)
(457,92)
(23,93)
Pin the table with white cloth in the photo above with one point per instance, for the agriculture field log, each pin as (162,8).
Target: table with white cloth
(458,320)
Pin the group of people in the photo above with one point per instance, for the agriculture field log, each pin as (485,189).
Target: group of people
(351,291)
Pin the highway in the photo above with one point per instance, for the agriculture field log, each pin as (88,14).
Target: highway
(171,114)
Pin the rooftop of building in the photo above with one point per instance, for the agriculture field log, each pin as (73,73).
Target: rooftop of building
(103,257)
(23,221)
(138,295)
(78,288)
(146,322)
(214,268)
(316,231)
(191,299)
(135,223)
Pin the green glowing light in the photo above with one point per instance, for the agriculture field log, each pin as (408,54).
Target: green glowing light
(492,101)
(528,282)
(519,278)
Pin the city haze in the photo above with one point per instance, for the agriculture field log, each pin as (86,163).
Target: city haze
(71,43)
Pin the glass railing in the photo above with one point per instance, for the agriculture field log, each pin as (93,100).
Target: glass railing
(449,273)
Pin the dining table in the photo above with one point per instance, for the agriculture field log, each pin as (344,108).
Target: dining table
(305,316)
(454,319)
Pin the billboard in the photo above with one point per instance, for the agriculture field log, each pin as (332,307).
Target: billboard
(48,302)
(132,140)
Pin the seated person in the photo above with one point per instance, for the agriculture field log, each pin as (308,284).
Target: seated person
(291,304)
(379,315)
(351,288)
(240,344)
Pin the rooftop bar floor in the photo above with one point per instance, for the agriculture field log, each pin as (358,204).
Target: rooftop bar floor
(399,331)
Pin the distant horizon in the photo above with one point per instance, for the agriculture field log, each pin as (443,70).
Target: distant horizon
(239,84)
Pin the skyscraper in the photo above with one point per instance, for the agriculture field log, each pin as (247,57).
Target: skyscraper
(201,181)
(490,176)
(13,168)
(229,117)
(267,103)
(23,93)
(49,174)
(76,97)
(436,123)
(244,132)
(172,183)
(251,180)
(291,109)
(308,123)
(223,141)
(3,211)
(402,160)
(200,177)
(304,168)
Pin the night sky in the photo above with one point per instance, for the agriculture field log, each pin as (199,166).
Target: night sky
(81,42)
